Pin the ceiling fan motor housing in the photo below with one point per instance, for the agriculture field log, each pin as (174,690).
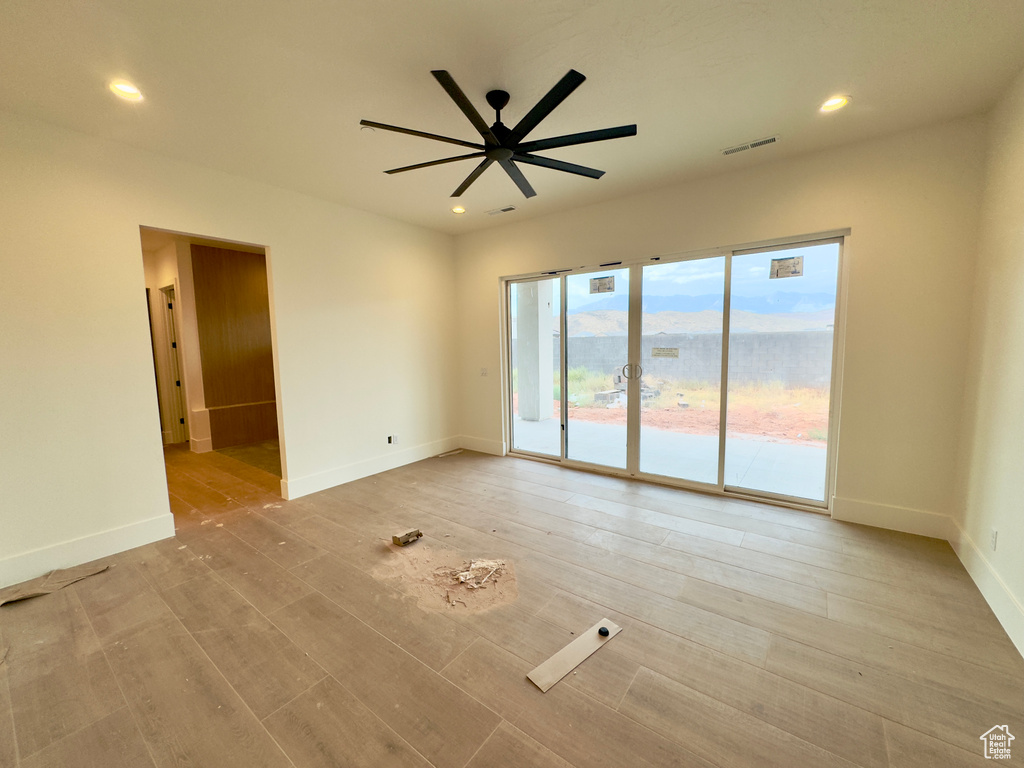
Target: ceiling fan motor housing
(498,100)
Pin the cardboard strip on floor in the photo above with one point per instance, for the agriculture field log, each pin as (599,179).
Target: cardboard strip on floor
(51,582)
(574,654)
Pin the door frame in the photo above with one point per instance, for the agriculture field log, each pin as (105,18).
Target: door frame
(506,365)
(178,409)
(833,431)
(636,264)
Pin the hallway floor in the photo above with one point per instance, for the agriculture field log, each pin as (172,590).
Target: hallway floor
(265,455)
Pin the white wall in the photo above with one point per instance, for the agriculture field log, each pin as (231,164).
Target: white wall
(364,328)
(992,491)
(912,203)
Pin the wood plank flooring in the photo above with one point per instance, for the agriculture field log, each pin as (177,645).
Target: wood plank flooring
(259,636)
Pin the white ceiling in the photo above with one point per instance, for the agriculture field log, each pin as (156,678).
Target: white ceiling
(274,91)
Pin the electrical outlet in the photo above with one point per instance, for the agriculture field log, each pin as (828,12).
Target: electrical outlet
(995,538)
(483,371)
(392,439)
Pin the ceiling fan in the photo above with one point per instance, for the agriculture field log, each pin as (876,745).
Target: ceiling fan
(504,145)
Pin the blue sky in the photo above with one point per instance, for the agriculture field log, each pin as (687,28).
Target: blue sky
(707,276)
(704,277)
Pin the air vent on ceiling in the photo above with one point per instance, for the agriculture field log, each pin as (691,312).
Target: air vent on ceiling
(506,209)
(750,145)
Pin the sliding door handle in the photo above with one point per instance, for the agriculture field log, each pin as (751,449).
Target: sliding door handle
(632,371)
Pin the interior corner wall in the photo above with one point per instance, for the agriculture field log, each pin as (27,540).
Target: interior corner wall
(912,202)
(365,327)
(992,460)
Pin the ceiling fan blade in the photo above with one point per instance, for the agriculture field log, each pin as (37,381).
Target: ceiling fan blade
(435,162)
(473,177)
(411,132)
(517,176)
(465,105)
(543,108)
(573,139)
(558,165)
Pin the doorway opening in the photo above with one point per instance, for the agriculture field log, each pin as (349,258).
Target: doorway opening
(213,349)
(715,372)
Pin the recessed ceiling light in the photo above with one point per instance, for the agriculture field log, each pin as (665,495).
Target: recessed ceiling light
(125,90)
(836,102)
(458,209)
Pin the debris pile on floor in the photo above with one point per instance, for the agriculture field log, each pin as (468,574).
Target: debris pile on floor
(470,576)
(440,578)
(478,572)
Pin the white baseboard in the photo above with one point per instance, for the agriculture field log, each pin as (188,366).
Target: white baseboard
(293,488)
(29,565)
(201,444)
(903,519)
(1007,607)
(470,443)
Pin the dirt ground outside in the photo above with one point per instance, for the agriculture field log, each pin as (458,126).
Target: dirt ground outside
(790,416)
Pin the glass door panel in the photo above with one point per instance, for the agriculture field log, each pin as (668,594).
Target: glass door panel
(597,351)
(781,329)
(681,359)
(536,413)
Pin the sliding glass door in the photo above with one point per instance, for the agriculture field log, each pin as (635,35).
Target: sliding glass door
(712,372)
(782,316)
(681,362)
(534,315)
(596,361)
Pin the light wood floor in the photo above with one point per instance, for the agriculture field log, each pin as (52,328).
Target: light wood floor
(753,636)
(265,455)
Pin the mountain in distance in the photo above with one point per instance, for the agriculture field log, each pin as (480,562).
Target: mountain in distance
(614,322)
(775,303)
